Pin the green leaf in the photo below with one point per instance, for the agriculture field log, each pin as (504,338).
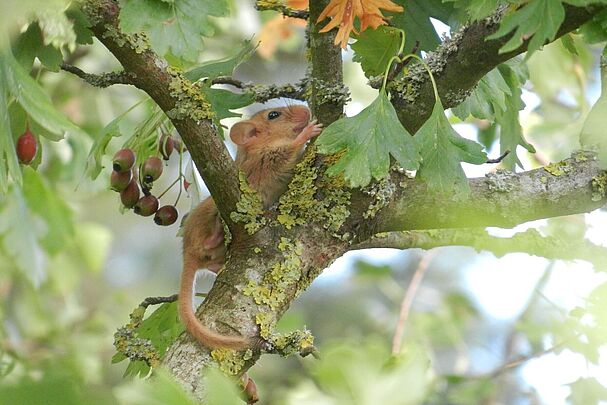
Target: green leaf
(488,96)
(174,27)
(57,29)
(511,132)
(30,45)
(94,162)
(593,131)
(475,10)
(162,327)
(527,23)
(415,21)
(222,67)
(442,149)
(47,204)
(35,101)
(82,25)
(369,139)
(9,163)
(373,49)
(595,30)
(223,101)
(20,234)
(587,391)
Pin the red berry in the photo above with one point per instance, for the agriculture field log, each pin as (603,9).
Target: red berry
(152,169)
(146,206)
(120,181)
(130,195)
(166,215)
(27,146)
(165,146)
(124,160)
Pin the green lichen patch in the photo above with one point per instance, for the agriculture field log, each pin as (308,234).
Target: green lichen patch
(190,100)
(249,209)
(599,187)
(558,168)
(381,191)
(135,348)
(330,92)
(230,362)
(302,204)
(296,342)
(272,290)
(502,181)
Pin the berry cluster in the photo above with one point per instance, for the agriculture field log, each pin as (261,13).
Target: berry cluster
(130,185)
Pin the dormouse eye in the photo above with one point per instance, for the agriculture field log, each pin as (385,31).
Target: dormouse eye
(273,114)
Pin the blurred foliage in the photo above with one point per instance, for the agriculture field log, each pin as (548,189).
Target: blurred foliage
(73,265)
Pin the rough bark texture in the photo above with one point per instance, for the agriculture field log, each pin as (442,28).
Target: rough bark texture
(319,219)
(460,62)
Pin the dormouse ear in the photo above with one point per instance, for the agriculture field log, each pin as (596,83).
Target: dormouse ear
(243,132)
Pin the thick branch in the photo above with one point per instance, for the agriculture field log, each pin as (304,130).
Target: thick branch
(530,241)
(178,98)
(100,80)
(503,199)
(459,63)
(327,73)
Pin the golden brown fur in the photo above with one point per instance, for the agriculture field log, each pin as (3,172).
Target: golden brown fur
(269,146)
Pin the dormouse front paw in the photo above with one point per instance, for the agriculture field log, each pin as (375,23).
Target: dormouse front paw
(310,131)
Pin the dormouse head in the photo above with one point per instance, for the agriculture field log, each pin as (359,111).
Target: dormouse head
(270,125)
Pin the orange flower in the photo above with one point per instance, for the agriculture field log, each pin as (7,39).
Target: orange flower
(343,13)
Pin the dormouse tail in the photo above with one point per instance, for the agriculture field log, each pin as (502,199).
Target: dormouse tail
(204,335)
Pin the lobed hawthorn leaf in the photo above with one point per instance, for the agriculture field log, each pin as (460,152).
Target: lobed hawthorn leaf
(173,27)
(369,139)
(526,23)
(511,132)
(442,149)
(374,48)
(497,98)
(416,23)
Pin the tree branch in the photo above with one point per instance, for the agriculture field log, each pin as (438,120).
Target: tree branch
(327,70)
(530,241)
(181,100)
(286,11)
(460,62)
(261,93)
(501,199)
(102,80)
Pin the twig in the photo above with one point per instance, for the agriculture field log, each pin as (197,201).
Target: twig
(500,158)
(405,306)
(158,300)
(286,11)
(263,93)
(100,80)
